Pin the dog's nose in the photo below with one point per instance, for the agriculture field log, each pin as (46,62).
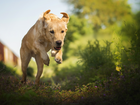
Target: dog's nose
(59,42)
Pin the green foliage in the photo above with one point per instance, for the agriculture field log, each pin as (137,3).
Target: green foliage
(101,12)
(94,56)
(131,56)
(136,17)
(129,74)
(30,71)
(4,69)
(77,27)
(131,26)
(24,99)
(135,49)
(92,16)
(97,62)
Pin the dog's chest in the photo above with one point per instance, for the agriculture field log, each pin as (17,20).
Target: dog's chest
(47,46)
(42,42)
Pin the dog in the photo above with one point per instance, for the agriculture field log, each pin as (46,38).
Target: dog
(46,34)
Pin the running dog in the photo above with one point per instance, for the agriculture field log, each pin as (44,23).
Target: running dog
(46,34)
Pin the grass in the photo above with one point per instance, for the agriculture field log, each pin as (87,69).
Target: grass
(106,92)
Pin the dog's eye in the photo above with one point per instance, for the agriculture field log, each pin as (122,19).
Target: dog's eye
(52,31)
(62,31)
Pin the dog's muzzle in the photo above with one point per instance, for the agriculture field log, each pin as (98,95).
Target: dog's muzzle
(58,43)
(57,48)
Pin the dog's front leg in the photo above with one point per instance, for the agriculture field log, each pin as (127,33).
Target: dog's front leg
(45,57)
(58,57)
(43,54)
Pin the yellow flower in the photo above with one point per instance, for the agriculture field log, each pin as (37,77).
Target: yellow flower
(118,68)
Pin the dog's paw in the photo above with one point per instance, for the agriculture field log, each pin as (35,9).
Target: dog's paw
(53,53)
(58,60)
(46,62)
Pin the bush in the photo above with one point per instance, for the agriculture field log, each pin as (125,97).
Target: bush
(131,55)
(127,89)
(135,49)
(97,62)
(94,55)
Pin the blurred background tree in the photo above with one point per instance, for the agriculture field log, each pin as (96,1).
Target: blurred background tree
(101,13)
(93,15)
(77,27)
(131,27)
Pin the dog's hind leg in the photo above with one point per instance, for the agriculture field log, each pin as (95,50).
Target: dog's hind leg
(40,64)
(25,58)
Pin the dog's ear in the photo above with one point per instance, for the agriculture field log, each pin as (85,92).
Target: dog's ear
(65,17)
(45,17)
(45,13)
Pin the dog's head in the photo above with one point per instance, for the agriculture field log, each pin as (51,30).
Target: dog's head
(55,29)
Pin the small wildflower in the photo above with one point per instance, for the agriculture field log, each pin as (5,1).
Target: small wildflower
(82,97)
(95,86)
(104,94)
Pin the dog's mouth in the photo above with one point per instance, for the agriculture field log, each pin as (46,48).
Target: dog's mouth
(57,48)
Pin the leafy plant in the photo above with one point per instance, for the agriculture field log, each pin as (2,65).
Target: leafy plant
(94,55)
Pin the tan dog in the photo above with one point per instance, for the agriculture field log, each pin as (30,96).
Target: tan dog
(47,33)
